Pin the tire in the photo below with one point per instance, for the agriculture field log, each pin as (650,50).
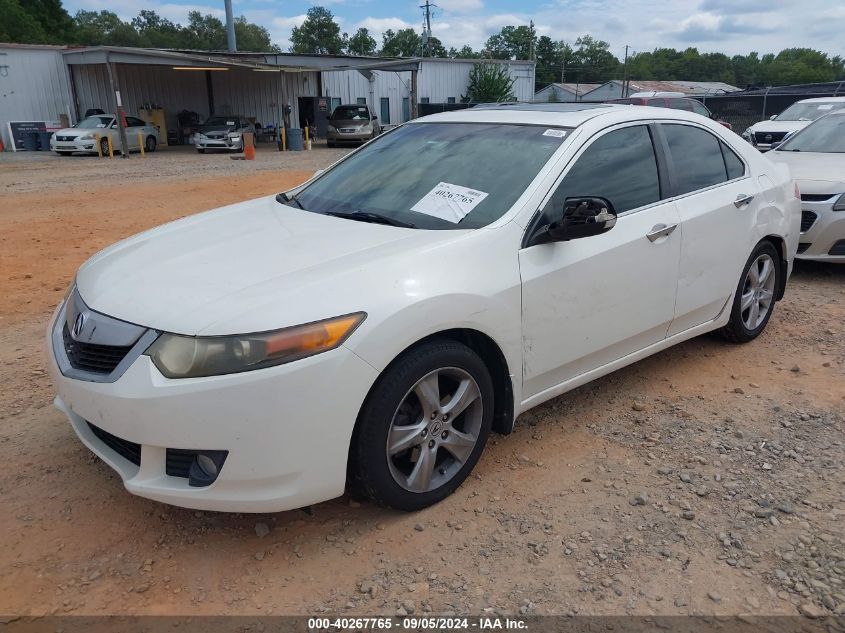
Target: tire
(200,150)
(104,146)
(397,476)
(755,295)
(65,153)
(150,144)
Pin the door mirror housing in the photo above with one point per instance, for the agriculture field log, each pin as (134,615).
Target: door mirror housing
(773,117)
(579,217)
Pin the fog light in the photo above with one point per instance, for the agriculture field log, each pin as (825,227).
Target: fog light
(205,468)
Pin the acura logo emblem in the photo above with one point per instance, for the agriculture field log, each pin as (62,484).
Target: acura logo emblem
(768,137)
(78,325)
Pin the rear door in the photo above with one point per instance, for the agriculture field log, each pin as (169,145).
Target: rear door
(717,202)
(588,302)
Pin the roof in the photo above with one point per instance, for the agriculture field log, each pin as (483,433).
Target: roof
(822,100)
(687,87)
(573,88)
(51,47)
(555,114)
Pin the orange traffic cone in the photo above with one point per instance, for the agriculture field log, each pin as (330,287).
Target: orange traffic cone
(249,146)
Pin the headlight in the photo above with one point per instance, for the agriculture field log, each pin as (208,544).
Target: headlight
(332,128)
(178,356)
(86,137)
(839,205)
(234,135)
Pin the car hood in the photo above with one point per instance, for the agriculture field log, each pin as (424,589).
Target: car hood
(217,128)
(815,172)
(250,267)
(779,126)
(75,131)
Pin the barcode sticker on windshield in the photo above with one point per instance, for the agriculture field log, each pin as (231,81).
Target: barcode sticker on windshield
(449,202)
(825,106)
(555,133)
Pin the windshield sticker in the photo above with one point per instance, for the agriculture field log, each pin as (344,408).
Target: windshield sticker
(449,202)
(826,106)
(230,122)
(555,133)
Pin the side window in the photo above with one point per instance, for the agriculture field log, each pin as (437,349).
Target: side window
(656,102)
(619,166)
(733,163)
(133,122)
(696,156)
(680,104)
(700,109)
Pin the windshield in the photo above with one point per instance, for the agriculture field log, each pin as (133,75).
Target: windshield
(350,113)
(221,121)
(827,135)
(808,111)
(93,122)
(436,175)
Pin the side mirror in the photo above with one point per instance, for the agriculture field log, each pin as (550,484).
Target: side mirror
(373,117)
(581,217)
(773,117)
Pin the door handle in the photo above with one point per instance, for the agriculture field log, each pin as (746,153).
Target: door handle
(660,230)
(742,199)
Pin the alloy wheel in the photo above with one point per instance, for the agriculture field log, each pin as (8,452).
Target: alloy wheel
(758,292)
(434,430)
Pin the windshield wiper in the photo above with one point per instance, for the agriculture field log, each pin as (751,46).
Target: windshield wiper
(368,216)
(285,198)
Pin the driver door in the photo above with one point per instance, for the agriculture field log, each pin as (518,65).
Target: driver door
(590,301)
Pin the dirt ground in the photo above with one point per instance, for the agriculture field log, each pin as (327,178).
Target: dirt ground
(705,480)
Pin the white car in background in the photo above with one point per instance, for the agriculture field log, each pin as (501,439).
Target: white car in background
(85,135)
(816,159)
(765,134)
(378,321)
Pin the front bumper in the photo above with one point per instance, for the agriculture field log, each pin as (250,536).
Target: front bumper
(286,429)
(73,146)
(823,240)
(349,137)
(220,143)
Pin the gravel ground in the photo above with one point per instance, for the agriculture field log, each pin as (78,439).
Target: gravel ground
(705,480)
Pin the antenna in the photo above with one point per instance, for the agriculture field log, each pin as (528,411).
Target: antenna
(426,37)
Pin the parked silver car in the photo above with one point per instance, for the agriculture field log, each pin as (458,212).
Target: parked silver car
(83,136)
(352,123)
(223,132)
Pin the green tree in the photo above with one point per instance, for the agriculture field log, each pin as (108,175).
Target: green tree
(402,43)
(552,58)
(512,42)
(489,83)
(104,28)
(204,32)
(435,48)
(362,43)
(253,37)
(18,25)
(156,31)
(318,35)
(53,18)
(465,52)
(593,60)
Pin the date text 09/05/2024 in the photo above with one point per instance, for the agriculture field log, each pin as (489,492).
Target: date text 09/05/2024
(416,624)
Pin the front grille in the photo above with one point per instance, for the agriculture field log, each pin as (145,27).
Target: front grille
(65,138)
(126,449)
(98,359)
(807,220)
(803,246)
(837,249)
(769,137)
(816,197)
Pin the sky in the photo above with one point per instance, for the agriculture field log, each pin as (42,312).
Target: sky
(729,26)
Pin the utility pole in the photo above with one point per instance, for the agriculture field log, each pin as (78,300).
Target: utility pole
(563,71)
(230,27)
(427,28)
(625,71)
(531,53)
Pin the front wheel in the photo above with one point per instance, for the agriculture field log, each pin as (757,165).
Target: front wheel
(755,296)
(150,144)
(424,426)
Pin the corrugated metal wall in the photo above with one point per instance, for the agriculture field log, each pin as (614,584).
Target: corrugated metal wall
(236,91)
(33,86)
(438,81)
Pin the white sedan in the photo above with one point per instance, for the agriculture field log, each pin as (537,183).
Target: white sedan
(97,129)
(816,158)
(375,324)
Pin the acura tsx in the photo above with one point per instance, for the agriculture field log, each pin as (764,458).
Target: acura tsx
(372,326)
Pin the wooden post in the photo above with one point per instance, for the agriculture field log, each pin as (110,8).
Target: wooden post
(414,110)
(121,120)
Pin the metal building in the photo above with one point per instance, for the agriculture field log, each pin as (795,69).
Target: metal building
(34,85)
(439,81)
(563,92)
